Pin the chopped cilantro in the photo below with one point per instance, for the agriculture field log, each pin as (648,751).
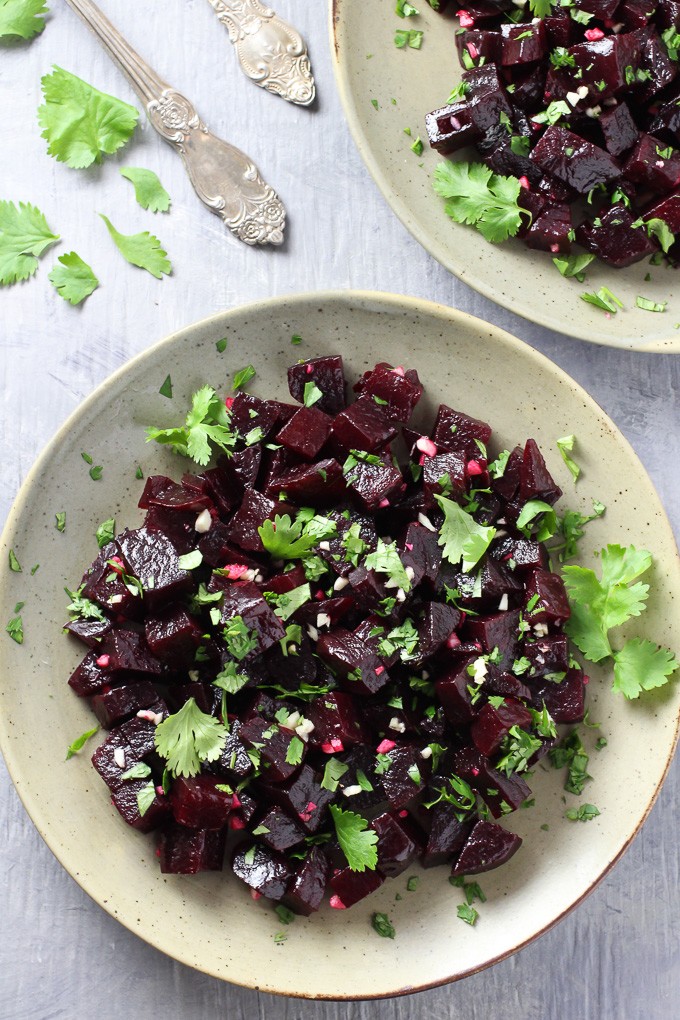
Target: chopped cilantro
(383,926)
(243,377)
(80,742)
(583,813)
(60,520)
(467,913)
(96,472)
(461,536)
(295,751)
(650,306)
(166,388)
(14,564)
(311,394)
(105,532)
(565,445)
(333,772)
(207,422)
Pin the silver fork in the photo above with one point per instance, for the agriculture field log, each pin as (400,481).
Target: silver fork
(270,51)
(224,178)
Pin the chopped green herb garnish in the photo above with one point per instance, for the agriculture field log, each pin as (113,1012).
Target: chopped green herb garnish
(583,813)
(14,564)
(383,926)
(105,532)
(166,388)
(80,742)
(243,377)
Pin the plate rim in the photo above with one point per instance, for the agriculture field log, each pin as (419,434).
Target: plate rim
(670,345)
(382,301)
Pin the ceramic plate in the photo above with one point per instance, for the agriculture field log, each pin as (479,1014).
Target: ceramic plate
(210,921)
(406,84)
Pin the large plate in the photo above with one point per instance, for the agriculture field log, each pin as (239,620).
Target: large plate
(209,921)
(407,83)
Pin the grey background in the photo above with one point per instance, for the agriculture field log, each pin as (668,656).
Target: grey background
(618,955)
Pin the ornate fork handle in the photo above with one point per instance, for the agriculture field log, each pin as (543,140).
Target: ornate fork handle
(271,52)
(224,178)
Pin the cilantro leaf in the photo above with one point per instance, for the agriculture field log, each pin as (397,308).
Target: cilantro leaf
(333,772)
(573,265)
(14,564)
(81,608)
(641,666)
(583,813)
(142,250)
(597,606)
(15,629)
(145,798)
(188,738)
(21,18)
(230,680)
(105,532)
(571,525)
(243,377)
(659,228)
(386,560)
(541,8)
(73,279)
(547,526)
(461,536)
(283,539)
(149,191)
(477,196)
(80,742)
(312,394)
(81,124)
(383,926)
(357,841)
(289,602)
(467,913)
(24,235)
(565,445)
(295,751)
(207,422)
(139,771)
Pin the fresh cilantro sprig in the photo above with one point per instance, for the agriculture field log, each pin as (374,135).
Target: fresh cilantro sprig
(477,196)
(21,18)
(285,539)
(570,527)
(188,738)
(24,236)
(357,841)
(207,422)
(81,124)
(460,535)
(81,608)
(73,279)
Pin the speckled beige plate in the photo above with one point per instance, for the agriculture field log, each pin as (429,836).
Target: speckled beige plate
(210,922)
(406,84)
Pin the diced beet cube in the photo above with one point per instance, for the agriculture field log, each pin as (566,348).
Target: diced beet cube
(615,239)
(653,164)
(90,632)
(319,484)
(445,472)
(272,744)
(89,678)
(602,60)
(152,558)
(487,847)
(523,553)
(279,831)
(251,515)
(178,527)
(134,741)
(420,550)
(547,655)
(103,585)
(572,159)
(124,799)
(242,598)
(248,412)
(371,485)
(308,885)
(262,869)
(619,129)
(303,797)
(446,837)
(523,43)
(173,496)
(487,99)
(198,804)
(207,696)
(450,128)
(655,63)
(394,393)
(452,691)
(173,636)
(234,762)
(398,843)
(551,231)
(335,717)
(565,700)
(186,851)
(493,724)
(113,706)
(480,42)
(668,210)
(405,776)
(438,624)
(502,793)
(125,650)
(306,432)
(327,374)
(362,427)
(498,630)
(548,596)
(504,684)
(536,482)
(560,28)
(456,431)
(233,474)
(351,886)
(355,660)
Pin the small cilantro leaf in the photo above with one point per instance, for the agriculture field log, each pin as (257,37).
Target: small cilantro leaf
(284,539)
(24,236)
(243,377)
(81,124)
(21,18)
(145,798)
(467,913)
(105,532)
(565,445)
(312,394)
(383,926)
(641,666)
(357,841)
(80,742)
(583,813)
(15,629)
(207,422)
(73,279)
(386,560)
(142,250)
(461,536)
(14,564)
(295,751)
(149,191)
(188,738)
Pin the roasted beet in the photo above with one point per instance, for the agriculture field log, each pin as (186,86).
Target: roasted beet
(327,374)
(487,847)
(188,851)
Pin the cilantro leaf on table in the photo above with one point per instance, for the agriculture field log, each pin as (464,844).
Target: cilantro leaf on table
(24,235)
(597,606)
(641,666)
(357,841)
(188,738)
(80,123)
(207,422)
(22,18)
(461,536)
(73,279)
(149,191)
(142,250)
(477,196)
(284,539)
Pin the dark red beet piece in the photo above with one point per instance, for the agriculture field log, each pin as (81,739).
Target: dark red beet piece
(392,391)
(438,624)
(262,869)
(405,776)
(89,678)
(278,830)
(351,886)
(535,481)
(523,43)
(113,707)
(548,597)
(306,432)
(565,700)
(336,718)
(248,412)
(502,793)
(452,691)
(551,230)
(493,724)
(303,797)
(188,851)
(615,240)
(374,486)
(198,804)
(456,431)
(90,632)
(547,655)
(173,636)
(355,660)
(125,801)
(498,630)
(126,650)
(307,886)
(446,837)
(134,741)
(668,210)
(242,598)
(251,515)
(327,373)
(487,847)
(398,843)
(319,484)
(272,745)
(151,557)
(653,164)
(619,129)
(572,159)
(362,427)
